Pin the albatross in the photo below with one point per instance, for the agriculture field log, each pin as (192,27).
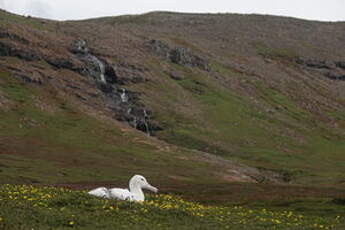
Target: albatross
(134,193)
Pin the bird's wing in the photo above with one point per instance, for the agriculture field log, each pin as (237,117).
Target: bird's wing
(120,194)
(100,192)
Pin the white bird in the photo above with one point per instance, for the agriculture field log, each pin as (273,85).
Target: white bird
(135,192)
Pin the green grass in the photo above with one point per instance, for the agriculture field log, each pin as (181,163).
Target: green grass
(268,51)
(7,18)
(29,207)
(62,144)
(199,113)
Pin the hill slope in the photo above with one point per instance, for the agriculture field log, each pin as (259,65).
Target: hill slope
(181,98)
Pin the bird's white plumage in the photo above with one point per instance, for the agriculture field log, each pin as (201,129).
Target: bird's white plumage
(100,192)
(134,193)
(121,194)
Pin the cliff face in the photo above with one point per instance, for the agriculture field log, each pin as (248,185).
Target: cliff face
(185,95)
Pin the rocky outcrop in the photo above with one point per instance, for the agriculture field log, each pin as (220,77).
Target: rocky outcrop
(334,76)
(179,55)
(313,63)
(61,63)
(331,70)
(13,37)
(175,75)
(7,49)
(124,103)
(340,64)
(99,69)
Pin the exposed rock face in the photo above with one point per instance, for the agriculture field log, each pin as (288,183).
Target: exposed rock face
(335,76)
(124,103)
(179,55)
(8,50)
(99,69)
(61,63)
(319,64)
(340,64)
(175,75)
(331,70)
(14,37)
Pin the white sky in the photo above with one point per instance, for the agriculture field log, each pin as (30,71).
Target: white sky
(323,10)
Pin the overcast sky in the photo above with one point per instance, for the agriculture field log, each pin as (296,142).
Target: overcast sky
(323,10)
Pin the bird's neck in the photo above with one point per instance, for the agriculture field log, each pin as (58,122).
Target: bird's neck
(137,192)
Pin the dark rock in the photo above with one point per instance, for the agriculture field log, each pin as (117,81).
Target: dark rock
(124,103)
(79,47)
(8,50)
(61,63)
(80,97)
(31,79)
(340,64)
(312,63)
(94,66)
(106,88)
(5,49)
(183,56)
(14,37)
(110,74)
(334,76)
(179,55)
(154,126)
(160,48)
(175,75)
(26,55)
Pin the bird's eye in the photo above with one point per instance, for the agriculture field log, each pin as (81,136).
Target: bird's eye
(142,179)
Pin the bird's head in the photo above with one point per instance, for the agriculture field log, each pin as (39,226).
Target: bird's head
(140,181)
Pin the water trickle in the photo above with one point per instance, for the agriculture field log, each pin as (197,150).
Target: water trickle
(147,128)
(102,69)
(135,123)
(124,97)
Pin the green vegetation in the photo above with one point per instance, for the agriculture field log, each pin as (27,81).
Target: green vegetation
(267,51)
(29,207)
(199,113)
(46,139)
(8,18)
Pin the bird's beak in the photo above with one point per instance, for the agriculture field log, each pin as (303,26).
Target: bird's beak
(151,188)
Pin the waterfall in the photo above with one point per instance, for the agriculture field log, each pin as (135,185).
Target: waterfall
(135,122)
(124,97)
(146,124)
(101,68)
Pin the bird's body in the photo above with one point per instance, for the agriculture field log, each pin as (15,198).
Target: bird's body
(100,192)
(120,194)
(134,193)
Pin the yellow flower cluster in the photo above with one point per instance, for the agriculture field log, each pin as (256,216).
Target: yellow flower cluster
(168,202)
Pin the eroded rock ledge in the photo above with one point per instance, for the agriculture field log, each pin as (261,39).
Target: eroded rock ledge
(179,55)
(334,70)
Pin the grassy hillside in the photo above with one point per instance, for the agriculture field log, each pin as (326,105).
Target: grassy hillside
(243,90)
(45,139)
